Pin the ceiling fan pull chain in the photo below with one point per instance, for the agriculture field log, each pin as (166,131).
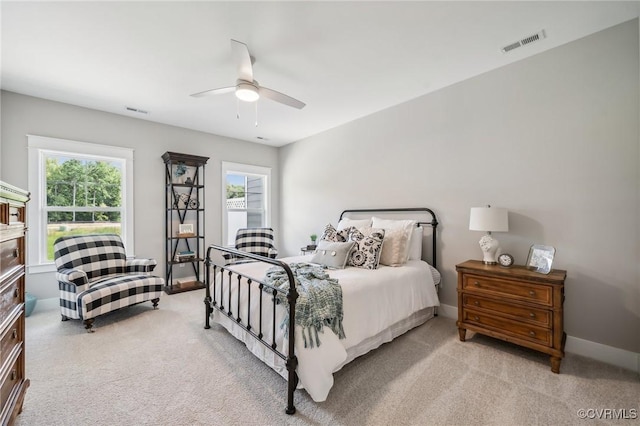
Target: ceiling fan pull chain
(238,108)
(256,113)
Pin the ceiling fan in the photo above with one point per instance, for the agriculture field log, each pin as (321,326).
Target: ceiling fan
(247,89)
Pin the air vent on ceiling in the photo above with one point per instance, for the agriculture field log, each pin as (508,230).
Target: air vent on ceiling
(141,111)
(523,42)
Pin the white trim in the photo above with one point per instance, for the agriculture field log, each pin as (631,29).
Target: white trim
(37,146)
(607,354)
(246,169)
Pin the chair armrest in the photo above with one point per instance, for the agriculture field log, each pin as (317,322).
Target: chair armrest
(140,266)
(76,277)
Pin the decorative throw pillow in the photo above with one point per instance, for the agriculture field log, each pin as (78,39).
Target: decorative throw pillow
(331,234)
(394,247)
(331,254)
(366,252)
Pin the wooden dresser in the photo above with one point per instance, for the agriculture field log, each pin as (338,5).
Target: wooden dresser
(513,304)
(13,383)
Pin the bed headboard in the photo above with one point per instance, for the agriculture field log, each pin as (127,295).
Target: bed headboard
(423,216)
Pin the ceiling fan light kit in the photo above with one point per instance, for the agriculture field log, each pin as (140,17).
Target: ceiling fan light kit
(247,92)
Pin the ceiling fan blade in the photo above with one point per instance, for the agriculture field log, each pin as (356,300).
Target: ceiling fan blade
(218,91)
(241,56)
(281,97)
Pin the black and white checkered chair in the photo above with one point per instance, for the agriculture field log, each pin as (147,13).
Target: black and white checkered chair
(253,240)
(95,277)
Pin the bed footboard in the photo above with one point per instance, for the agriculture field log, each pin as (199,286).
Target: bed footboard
(220,276)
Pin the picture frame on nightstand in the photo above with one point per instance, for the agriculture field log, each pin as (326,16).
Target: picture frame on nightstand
(540,258)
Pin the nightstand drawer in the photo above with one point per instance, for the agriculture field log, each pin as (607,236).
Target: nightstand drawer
(510,289)
(504,325)
(535,316)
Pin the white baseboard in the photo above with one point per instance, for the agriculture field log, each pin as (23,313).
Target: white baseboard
(448,311)
(607,354)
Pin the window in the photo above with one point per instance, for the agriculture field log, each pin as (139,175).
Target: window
(77,188)
(246,198)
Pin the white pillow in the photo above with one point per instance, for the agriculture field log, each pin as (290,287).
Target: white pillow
(415,246)
(357,223)
(394,247)
(405,224)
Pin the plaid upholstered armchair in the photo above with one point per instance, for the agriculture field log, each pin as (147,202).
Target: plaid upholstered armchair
(95,277)
(253,240)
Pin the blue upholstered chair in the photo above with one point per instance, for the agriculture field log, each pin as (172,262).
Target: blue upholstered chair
(253,240)
(95,277)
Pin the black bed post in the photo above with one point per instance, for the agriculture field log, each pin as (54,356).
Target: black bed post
(207,297)
(292,360)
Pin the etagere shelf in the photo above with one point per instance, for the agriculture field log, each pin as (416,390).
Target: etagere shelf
(184,221)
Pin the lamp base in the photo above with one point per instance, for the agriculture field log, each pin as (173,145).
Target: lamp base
(489,246)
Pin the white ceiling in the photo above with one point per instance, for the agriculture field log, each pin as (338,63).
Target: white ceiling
(344,60)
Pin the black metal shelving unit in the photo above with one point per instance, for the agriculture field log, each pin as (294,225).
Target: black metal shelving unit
(184,208)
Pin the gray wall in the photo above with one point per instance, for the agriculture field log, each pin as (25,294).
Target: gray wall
(22,115)
(553,138)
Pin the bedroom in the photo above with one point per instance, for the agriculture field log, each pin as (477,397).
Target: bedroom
(552,137)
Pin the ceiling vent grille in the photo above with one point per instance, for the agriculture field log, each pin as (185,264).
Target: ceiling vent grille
(141,111)
(523,42)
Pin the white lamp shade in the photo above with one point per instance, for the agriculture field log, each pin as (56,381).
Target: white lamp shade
(492,219)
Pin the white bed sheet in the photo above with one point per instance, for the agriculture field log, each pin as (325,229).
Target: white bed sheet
(375,302)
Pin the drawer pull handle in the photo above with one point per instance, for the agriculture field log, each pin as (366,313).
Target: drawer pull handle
(532,333)
(14,374)
(476,303)
(476,283)
(532,293)
(476,318)
(16,293)
(16,252)
(14,334)
(532,315)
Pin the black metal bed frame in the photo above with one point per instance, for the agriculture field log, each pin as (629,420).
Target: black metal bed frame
(210,302)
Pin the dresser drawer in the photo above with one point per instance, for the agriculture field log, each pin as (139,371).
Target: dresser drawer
(541,294)
(12,337)
(11,380)
(11,296)
(524,331)
(535,316)
(11,254)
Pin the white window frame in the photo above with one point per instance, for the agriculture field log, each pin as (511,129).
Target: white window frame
(245,169)
(39,146)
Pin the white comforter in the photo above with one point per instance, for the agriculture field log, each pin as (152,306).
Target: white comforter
(373,301)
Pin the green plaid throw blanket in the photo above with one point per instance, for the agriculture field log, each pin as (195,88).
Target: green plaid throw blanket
(319,301)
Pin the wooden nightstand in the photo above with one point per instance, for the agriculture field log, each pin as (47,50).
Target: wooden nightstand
(513,304)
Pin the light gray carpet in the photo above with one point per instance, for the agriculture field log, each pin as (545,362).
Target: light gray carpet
(146,367)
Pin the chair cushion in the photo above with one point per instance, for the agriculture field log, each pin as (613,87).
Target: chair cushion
(117,292)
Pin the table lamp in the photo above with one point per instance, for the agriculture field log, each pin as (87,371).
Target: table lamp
(489,219)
